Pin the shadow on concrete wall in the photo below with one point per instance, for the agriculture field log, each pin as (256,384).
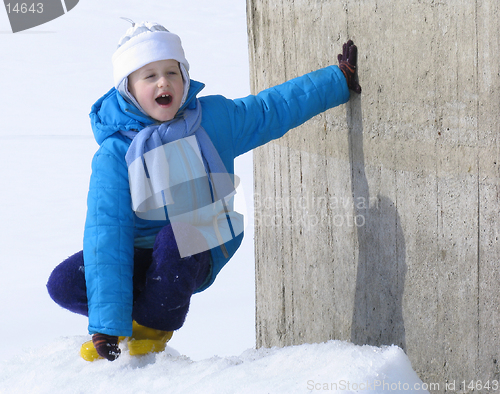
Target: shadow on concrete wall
(377,314)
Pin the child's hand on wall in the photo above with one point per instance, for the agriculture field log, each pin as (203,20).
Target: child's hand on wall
(348,62)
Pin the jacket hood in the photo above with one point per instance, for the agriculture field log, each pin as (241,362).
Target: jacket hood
(112,113)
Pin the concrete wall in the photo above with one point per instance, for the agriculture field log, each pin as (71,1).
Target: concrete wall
(377,222)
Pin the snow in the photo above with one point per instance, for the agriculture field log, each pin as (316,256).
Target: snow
(50,76)
(336,367)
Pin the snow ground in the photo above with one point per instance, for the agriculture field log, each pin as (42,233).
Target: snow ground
(50,76)
(334,367)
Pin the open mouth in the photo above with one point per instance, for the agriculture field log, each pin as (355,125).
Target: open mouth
(164,99)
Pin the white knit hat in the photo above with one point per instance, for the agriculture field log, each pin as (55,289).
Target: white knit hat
(144,43)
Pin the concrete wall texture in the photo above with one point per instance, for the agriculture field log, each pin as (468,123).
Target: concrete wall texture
(378,222)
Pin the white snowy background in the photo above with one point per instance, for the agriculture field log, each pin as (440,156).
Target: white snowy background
(50,76)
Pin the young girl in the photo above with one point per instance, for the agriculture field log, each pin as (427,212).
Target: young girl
(160,222)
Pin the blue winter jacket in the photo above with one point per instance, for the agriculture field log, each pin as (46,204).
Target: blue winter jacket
(235,127)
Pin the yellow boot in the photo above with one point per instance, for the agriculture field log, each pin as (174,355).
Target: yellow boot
(146,340)
(88,352)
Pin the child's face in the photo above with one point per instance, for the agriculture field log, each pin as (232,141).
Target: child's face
(158,87)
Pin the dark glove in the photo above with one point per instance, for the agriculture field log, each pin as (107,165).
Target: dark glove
(106,346)
(348,62)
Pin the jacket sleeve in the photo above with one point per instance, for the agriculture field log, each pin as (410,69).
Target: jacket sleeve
(108,246)
(273,112)
(238,126)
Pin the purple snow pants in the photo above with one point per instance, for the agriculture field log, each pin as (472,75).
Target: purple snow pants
(159,304)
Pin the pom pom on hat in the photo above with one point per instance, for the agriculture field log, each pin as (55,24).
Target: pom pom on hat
(144,43)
